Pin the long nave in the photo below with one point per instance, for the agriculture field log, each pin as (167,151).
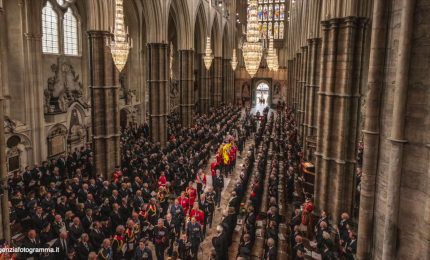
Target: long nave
(214,129)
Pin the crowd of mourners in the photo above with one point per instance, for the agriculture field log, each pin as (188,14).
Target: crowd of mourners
(158,196)
(309,232)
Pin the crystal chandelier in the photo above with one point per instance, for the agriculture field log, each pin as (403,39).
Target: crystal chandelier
(234,60)
(272,57)
(207,59)
(252,48)
(121,44)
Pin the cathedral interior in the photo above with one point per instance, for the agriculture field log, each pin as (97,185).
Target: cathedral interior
(215,129)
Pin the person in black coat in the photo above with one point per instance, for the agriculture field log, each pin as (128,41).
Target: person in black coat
(84,247)
(218,184)
(271,252)
(219,243)
(142,252)
(96,236)
(31,241)
(64,246)
(75,231)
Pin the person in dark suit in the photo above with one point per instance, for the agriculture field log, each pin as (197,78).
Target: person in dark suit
(142,251)
(271,252)
(63,244)
(31,241)
(75,231)
(96,236)
(87,220)
(84,247)
(219,242)
(351,246)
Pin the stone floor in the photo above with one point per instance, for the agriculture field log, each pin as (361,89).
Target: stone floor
(206,245)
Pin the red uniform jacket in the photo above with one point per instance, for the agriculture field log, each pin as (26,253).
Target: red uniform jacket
(192,193)
(162,181)
(199,215)
(185,204)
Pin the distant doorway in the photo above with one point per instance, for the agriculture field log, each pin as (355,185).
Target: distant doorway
(262,94)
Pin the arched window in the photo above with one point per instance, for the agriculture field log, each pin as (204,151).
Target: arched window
(49,29)
(70,32)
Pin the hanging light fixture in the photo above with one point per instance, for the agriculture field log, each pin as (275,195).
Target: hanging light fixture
(121,44)
(252,48)
(272,57)
(208,58)
(234,60)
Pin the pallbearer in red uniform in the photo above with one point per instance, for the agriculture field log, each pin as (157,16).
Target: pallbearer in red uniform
(184,202)
(198,214)
(191,193)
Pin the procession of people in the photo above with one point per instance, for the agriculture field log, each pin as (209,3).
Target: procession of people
(158,200)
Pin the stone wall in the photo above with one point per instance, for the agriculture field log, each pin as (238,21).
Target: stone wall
(414,189)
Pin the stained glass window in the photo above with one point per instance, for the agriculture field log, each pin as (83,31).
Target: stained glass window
(70,26)
(276,30)
(49,29)
(271,16)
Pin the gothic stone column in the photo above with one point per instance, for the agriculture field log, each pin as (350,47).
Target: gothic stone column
(204,74)
(186,83)
(302,85)
(158,91)
(312,89)
(227,83)
(290,83)
(340,90)
(217,81)
(4,216)
(105,104)
(372,129)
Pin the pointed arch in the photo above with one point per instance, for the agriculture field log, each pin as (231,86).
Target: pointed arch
(179,10)
(200,28)
(216,36)
(227,45)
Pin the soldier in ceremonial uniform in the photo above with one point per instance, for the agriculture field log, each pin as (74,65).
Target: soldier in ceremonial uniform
(218,184)
(105,253)
(178,216)
(118,243)
(198,214)
(160,238)
(194,233)
(204,205)
(191,192)
(210,198)
(170,225)
(184,202)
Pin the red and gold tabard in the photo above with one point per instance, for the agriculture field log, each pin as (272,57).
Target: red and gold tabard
(152,210)
(199,215)
(118,242)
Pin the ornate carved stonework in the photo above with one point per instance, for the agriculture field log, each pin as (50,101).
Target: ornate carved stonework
(174,95)
(56,141)
(64,88)
(125,92)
